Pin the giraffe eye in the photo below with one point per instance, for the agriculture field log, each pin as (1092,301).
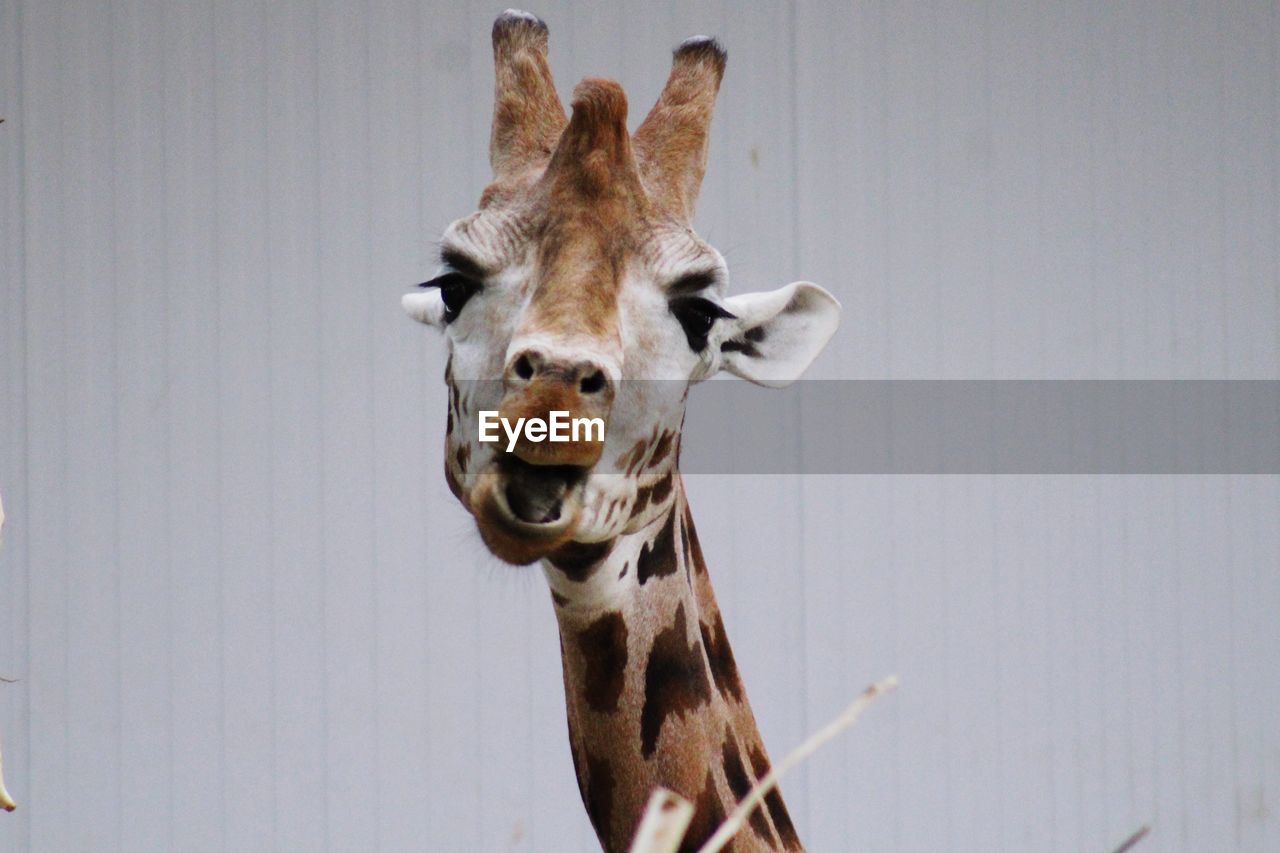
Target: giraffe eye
(455,290)
(697,316)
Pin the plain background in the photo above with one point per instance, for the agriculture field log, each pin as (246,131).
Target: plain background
(245,612)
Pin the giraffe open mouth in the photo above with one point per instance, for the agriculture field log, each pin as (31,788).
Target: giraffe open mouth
(525,511)
(535,494)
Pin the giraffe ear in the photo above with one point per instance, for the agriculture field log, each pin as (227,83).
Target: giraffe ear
(425,306)
(774,336)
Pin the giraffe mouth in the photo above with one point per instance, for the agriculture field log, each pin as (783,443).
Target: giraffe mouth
(525,511)
(535,494)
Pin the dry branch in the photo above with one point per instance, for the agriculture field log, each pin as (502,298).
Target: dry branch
(664,823)
(662,828)
(799,754)
(6,801)
(1132,840)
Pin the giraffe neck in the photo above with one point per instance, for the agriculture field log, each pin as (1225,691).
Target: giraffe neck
(652,692)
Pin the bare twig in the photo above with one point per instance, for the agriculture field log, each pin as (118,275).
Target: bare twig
(6,801)
(850,716)
(664,823)
(1132,840)
(668,814)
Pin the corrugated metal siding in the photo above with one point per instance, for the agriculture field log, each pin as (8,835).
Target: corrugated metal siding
(246,613)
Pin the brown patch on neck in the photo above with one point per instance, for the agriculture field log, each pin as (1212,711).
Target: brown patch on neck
(675,681)
(597,795)
(694,551)
(579,560)
(724,670)
(708,814)
(603,646)
(735,773)
(675,721)
(661,449)
(655,493)
(658,557)
(773,801)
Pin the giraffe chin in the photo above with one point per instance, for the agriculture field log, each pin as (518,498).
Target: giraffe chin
(525,512)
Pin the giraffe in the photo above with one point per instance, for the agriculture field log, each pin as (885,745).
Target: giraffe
(579,285)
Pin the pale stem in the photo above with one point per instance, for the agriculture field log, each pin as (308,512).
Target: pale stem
(1132,840)
(850,716)
(6,801)
(665,820)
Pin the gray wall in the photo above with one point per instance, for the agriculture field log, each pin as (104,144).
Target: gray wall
(245,611)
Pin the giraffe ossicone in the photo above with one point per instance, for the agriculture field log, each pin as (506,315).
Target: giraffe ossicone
(579,286)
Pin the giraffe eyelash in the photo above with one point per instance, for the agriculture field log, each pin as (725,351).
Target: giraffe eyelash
(456,289)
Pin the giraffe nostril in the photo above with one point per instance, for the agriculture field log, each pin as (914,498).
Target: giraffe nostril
(592,384)
(524,367)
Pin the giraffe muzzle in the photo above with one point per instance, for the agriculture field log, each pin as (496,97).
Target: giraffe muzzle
(537,386)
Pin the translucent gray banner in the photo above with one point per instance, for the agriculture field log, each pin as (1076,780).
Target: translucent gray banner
(985,427)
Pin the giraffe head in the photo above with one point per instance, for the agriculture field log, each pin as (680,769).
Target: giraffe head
(580,273)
